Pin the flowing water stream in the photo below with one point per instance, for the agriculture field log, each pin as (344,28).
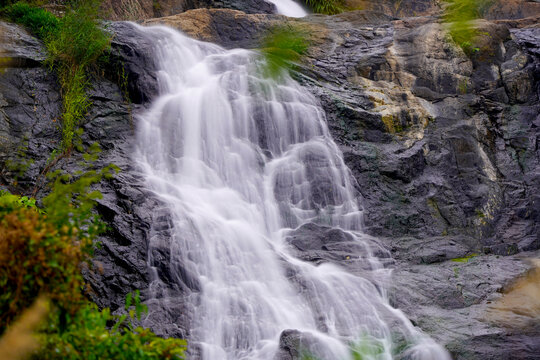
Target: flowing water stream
(242,161)
(289,8)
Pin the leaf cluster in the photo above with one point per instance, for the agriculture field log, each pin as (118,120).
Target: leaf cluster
(41,249)
(38,257)
(282,48)
(89,335)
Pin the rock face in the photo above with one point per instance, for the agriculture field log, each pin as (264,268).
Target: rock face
(443,146)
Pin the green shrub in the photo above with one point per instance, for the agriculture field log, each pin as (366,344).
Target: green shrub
(41,249)
(41,22)
(282,47)
(36,257)
(94,334)
(329,7)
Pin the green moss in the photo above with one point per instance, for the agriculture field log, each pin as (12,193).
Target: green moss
(392,124)
(464,259)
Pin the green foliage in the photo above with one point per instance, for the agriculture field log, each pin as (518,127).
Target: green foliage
(90,336)
(329,7)
(39,21)
(41,249)
(37,257)
(367,349)
(74,44)
(459,14)
(78,44)
(282,47)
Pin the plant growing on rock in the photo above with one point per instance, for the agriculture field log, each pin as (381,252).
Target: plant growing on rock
(90,336)
(460,16)
(329,7)
(282,48)
(80,41)
(74,43)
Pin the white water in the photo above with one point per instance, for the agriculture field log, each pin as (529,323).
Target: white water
(241,161)
(289,8)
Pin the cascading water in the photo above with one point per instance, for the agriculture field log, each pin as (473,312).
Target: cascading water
(289,8)
(242,161)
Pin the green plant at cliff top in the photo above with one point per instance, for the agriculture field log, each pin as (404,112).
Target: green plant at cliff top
(329,7)
(75,49)
(40,22)
(282,48)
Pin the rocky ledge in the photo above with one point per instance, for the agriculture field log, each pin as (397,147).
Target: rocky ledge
(443,145)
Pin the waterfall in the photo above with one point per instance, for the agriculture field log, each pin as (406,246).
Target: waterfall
(289,8)
(243,162)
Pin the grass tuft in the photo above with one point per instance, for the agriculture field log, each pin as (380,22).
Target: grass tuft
(282,47)
(328,7)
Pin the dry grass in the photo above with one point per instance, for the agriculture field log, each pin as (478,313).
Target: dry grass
(520,305)
(19,341)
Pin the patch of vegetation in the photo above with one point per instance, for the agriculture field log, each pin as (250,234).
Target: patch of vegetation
(74,43)
(464,259)
(40,22)
(41,249)
(282,48)
(75,49)
(329,7)
(460,14)
(393,124)
(90,336)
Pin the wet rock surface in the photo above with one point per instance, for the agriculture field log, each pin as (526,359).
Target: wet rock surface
(443,146)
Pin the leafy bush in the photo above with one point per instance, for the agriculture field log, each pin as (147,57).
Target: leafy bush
(329,7)
(90,336)
(282,47)
(41,250)
(39,21)
(37,257)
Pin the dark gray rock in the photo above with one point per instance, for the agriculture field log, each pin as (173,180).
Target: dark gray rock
(247,6)
(19,47)
(131,62)
(297,345)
